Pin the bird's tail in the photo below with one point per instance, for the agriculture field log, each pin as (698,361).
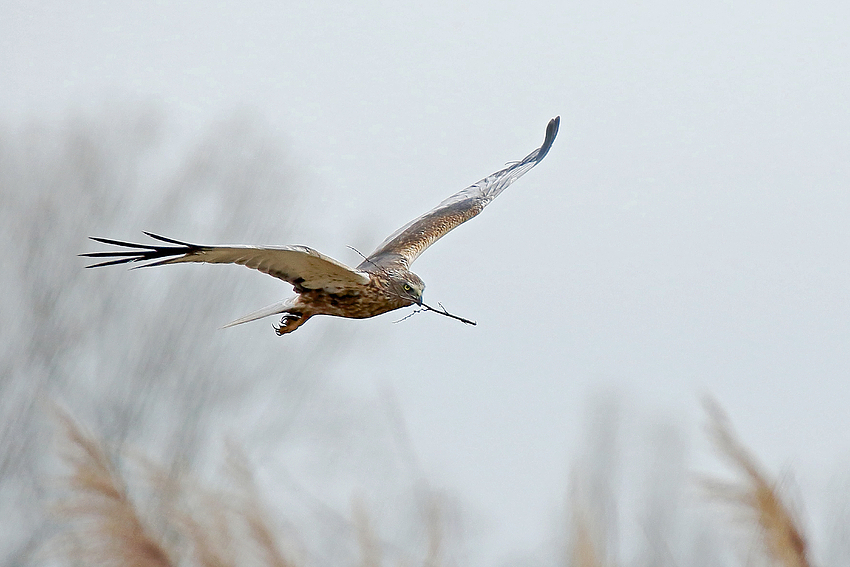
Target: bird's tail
(274,309)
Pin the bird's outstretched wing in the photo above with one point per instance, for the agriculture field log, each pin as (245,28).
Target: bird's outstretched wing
(408,242)
(301,266)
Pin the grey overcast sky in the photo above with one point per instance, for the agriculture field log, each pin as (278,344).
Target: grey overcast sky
(687,234)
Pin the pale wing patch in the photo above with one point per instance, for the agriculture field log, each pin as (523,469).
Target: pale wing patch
(301,266)
(408,242)
(298,265)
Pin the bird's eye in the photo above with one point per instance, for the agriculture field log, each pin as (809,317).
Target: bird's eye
(407,287)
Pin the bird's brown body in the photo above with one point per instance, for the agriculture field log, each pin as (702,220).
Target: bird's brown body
(382,282)
(376,298)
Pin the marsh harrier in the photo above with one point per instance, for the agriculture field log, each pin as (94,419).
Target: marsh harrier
(382,282)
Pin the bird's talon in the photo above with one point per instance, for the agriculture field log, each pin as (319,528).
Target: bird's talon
(288,323)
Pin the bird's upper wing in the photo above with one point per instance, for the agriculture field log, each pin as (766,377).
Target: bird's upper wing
(408,242)
(301,266)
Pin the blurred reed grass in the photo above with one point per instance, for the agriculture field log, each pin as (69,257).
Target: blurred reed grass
(105,525)
(759,496)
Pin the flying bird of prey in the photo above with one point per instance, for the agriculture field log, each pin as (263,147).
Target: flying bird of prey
(382,282)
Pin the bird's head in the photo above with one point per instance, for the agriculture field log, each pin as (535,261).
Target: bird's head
(408,286)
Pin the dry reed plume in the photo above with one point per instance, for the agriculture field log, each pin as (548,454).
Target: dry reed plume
(434,530)
(214,528)
(781,536)
(193,525)
(249,507)
(106,528)
(208,528)
(584,549)
(370,548)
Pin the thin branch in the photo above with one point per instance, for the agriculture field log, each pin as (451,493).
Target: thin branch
(441,311)
(359,253)
(424,307)
(409,315)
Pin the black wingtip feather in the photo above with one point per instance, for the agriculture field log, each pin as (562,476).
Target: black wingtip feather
(110,262)
(118,242)
(107,254)
(170,240)
(551,132)
(141,252)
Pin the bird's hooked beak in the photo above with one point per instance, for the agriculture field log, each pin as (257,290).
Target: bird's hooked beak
(419,300)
